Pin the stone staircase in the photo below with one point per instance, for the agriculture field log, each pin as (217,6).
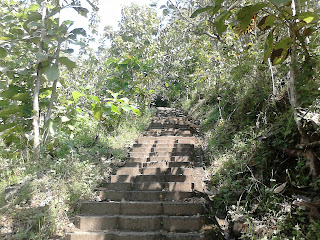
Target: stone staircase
(153,196)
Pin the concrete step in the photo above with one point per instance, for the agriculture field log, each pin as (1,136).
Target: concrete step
(172,148)
(150,186)
(166,140)
(161,159)
(154,170)
(140,223)
(141,208)
(162,134)
(163,145)
(151,178)
(111,195)
(160,154)
(162,164)
(122,235)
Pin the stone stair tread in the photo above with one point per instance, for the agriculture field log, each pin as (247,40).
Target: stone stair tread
(105,194)
(151,186)
(141,208)
(140,223)
(124,235)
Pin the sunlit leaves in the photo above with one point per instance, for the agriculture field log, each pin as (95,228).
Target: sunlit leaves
(201,10)
(211,9)
(68,63)
(3,52)
(280,50)
(245,14)
(280,2)
(220,22)
(76,95)
(82,11)
(78,31)
(268,46)
(52,72)
(308,17)
(266,22)
(97,112)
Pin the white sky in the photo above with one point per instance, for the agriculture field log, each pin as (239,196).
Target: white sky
(109,11)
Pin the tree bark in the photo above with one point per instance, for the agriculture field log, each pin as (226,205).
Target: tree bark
(313,161)
(36,109)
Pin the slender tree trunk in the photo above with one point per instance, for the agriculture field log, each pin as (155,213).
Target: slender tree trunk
(36,109)
(313,161)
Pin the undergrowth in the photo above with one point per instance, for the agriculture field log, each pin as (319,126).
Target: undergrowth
(39,199)
(256,190)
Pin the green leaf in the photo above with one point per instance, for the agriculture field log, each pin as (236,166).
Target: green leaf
(308,17)
(126,108)
(45,93)
(125,100)
(82,11)
(135,110)
(13,90)
(111,60)
(95,98)
(284,43)
(33,7)
(35,16)
(67,62)
(11,110)
(79,31)
(268,46)
(246,13)
(266,22)
(67,50)
(3,52)
(76,95)
(165,12)
(52,72)
(278,56)
(41,56)
(21,97)
(6,126)
(97,112)
(115,109)
(65,119)
(220,21)
(280,50)
(201,10)
(280,2)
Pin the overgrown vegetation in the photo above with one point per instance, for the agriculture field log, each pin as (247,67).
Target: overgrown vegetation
(39,198)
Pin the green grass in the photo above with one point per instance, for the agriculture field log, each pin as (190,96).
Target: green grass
(71,167)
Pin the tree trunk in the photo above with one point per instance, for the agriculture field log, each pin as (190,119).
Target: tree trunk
(36,109)
(304,138)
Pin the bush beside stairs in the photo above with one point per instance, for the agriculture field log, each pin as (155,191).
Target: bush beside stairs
(152,197)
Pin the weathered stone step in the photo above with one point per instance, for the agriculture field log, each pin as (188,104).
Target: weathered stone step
(162,149)
(160,154)
(150,186)
(151,178)
(122,235)
(158,164)
(154,170)
(163,145)
(158,134)
(169,126)
(166,139)
(141,208)
(140,223)
(161,159)
(112,195)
